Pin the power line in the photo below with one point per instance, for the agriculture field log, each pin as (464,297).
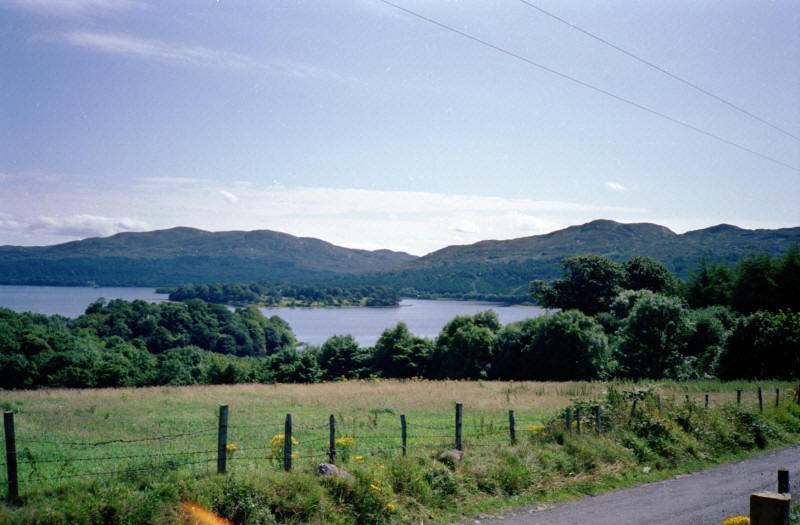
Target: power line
(660,69)
(590,86)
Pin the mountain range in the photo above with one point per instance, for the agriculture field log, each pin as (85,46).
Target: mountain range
(492,269)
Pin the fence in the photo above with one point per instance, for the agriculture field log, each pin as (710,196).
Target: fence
(281,444)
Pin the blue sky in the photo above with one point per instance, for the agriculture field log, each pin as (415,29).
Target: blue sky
(351,121)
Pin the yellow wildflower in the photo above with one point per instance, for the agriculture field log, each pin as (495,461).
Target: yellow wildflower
(231,448)
(358,458)
(737,520)
(345,441)
(374,487)
(535,428)
(390,507)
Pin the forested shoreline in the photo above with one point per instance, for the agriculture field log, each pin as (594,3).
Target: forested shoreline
(264,294)
(628,320)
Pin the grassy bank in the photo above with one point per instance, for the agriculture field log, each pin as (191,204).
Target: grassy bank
(134,455)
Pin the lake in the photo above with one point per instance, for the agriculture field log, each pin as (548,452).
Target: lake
(311,325)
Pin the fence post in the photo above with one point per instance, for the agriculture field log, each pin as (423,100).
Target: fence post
(658,402)
(760,401)
(11,457)
(706,401)
(512,427)
(597,425)
(287,444)
(568,419)
(459,414)
(738,397)
(403,433)
(777,397)
(783,481)
(332,439)
(578,419)
(633,407)
(222,439)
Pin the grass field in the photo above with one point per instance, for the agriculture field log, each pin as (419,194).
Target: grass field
(70,440)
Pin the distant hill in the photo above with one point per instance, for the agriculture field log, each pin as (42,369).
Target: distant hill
(493,270)
(187,255)
(498,269)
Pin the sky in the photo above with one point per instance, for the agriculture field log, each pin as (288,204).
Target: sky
(359,123)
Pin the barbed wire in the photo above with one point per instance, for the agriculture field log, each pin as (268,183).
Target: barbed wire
(114,441)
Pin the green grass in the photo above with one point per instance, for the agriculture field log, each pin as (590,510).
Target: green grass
(133,456)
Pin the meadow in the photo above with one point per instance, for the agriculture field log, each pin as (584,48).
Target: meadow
(131,455)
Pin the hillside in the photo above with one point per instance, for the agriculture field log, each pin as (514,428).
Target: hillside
(188,255)
(497,269)
(494,270)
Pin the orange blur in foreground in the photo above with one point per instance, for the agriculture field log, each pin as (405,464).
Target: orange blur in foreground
(194,514)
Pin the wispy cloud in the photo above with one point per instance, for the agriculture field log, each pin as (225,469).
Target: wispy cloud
(230,197)
(127,45)
(74,7)
(79,225)
(616,186)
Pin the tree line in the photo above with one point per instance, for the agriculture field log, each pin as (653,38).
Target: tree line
(609,320)
(285,295)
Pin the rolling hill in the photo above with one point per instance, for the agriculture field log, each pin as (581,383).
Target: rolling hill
(493,270)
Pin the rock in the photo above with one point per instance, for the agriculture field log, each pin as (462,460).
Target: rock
(450,456)
(329,469)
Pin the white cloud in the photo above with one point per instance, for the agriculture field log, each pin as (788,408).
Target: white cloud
(80,225)
(465,226)
(616,186)
(416,222)
(230,197)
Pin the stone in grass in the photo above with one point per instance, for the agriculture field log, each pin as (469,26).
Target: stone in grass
(329,469)
(450,457)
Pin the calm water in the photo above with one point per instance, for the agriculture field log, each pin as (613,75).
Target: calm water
(70,301)
(311,325)
(424,318)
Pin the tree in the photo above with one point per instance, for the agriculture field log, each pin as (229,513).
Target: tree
(464,347)
(645,273)
(341,356)
(589,283)
(564,346)
(755,287)
(709,285)
(399,353)
(653,338)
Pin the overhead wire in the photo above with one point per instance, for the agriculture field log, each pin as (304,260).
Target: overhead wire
(660,69)
(591,86)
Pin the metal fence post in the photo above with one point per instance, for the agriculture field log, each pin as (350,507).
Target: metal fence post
(332,439)
(403,433)
(222,439)
(11,457)
(287,444)
(459,419)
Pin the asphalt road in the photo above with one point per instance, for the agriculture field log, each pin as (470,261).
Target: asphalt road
(706,497)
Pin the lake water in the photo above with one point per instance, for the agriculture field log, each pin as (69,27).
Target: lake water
(311,325)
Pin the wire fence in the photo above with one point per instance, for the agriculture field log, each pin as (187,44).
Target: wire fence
(40,462)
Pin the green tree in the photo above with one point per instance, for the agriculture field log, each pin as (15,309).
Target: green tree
(645,273)
(588,283)
(653,338)
(464,347)
(341,356)
(399,353)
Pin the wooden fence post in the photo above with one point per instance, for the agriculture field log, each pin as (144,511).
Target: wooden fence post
(332,439)
(598,427)
(11,457)
(658,402)
(403,433)
(777,397)
(706,401)
(459,414)
(738,397)
(222,439)
(512,427)
(287,444)
(578,419)
(633,407)
(568,419)
(783,481)
(760,400)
